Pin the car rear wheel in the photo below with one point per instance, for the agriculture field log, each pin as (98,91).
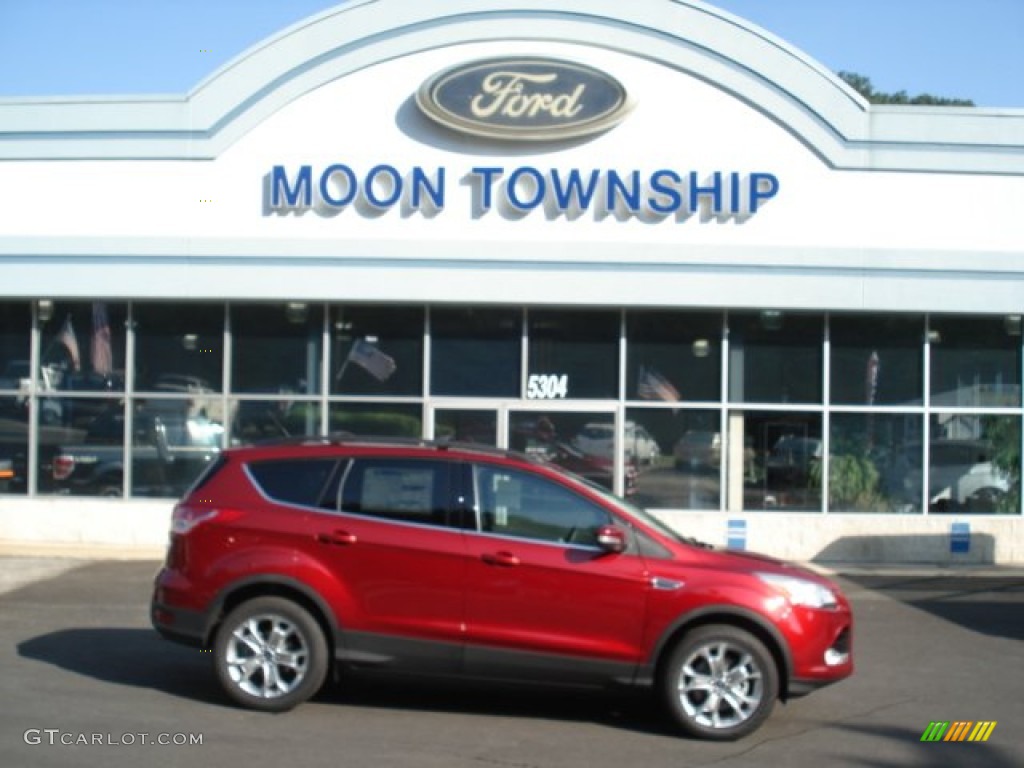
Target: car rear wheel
(720,682)
(270,654)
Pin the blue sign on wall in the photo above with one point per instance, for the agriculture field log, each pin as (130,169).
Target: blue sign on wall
(737,534)
(960,538)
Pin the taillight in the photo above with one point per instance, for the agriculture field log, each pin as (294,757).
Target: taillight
(63,466)
(185,517)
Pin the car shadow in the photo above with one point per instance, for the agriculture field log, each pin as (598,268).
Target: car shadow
(638,711)
(128,656)
(142,659)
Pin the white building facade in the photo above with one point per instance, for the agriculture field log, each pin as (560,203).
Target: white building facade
(648,241)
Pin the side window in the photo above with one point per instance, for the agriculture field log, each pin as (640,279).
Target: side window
(294,481)
(514,503)
(407,490)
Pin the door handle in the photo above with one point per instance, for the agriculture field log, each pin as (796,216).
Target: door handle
(506,559)
(340,538)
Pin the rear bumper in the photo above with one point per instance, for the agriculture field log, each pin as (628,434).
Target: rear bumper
(179,625)
(168,616)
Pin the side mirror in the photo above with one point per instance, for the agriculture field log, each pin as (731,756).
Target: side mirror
(611,539)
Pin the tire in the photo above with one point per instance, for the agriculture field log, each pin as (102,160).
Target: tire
(270,654)
(719,683)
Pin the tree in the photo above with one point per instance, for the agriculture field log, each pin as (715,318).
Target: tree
(862,85)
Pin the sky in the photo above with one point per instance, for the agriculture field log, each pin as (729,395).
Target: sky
(969,49)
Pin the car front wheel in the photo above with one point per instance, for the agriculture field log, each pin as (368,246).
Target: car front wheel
(270,654)
(720,682)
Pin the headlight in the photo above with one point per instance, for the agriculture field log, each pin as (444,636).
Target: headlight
(801,591)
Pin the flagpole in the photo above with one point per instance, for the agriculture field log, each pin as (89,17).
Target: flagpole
(348,359)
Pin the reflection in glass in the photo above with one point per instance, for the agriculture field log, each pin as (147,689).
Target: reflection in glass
(684,450)
(561,438)
(466,425)
(15,336)
(673,356)
(781,460)
(13,445)
(974,463)
(83,347)
(377,419)
(875,462)
(877,360)
(179,350)
(276,348)
(254,421)
(475,352)
(775,357)
(573,354)
(377,351)
(172,442)
(975,362)
(81,456)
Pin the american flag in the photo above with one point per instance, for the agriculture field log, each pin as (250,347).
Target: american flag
(101,353)
(70,342)
(366,355)
(653,386)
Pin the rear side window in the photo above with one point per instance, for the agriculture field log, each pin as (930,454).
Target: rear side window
(408,490)
(293,481)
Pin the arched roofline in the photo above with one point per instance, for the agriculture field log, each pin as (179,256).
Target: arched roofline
(738,57)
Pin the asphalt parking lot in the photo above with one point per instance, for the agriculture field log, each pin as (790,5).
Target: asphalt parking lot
(86,682)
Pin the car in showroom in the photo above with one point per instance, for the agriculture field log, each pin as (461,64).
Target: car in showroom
(337,556)
(598,439)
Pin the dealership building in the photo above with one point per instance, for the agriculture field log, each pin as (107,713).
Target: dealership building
(648,241)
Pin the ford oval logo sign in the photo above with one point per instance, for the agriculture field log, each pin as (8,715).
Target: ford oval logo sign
(523,99)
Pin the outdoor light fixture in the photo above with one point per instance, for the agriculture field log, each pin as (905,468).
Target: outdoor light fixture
(933,336)
(190,342)
(44,310)
(701,348)
(1012,323)
(296,312)
(771,319)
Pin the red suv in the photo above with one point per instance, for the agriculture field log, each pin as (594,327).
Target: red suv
(298,559)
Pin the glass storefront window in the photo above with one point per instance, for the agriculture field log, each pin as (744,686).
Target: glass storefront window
(376,419)
(377,351)
(179,349)
(779,467)
(83,347)
(975,362)
(678,449)
(15,338)
(172,442)
(877,360)
(13,445)
(475,352)
(254,421)
(875,462)
(15,375)
(276,348)
(677,456)
(775,357)
(466,425)
(573,354)
(82,460)
(673,356)
(578,442)
(974,463)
